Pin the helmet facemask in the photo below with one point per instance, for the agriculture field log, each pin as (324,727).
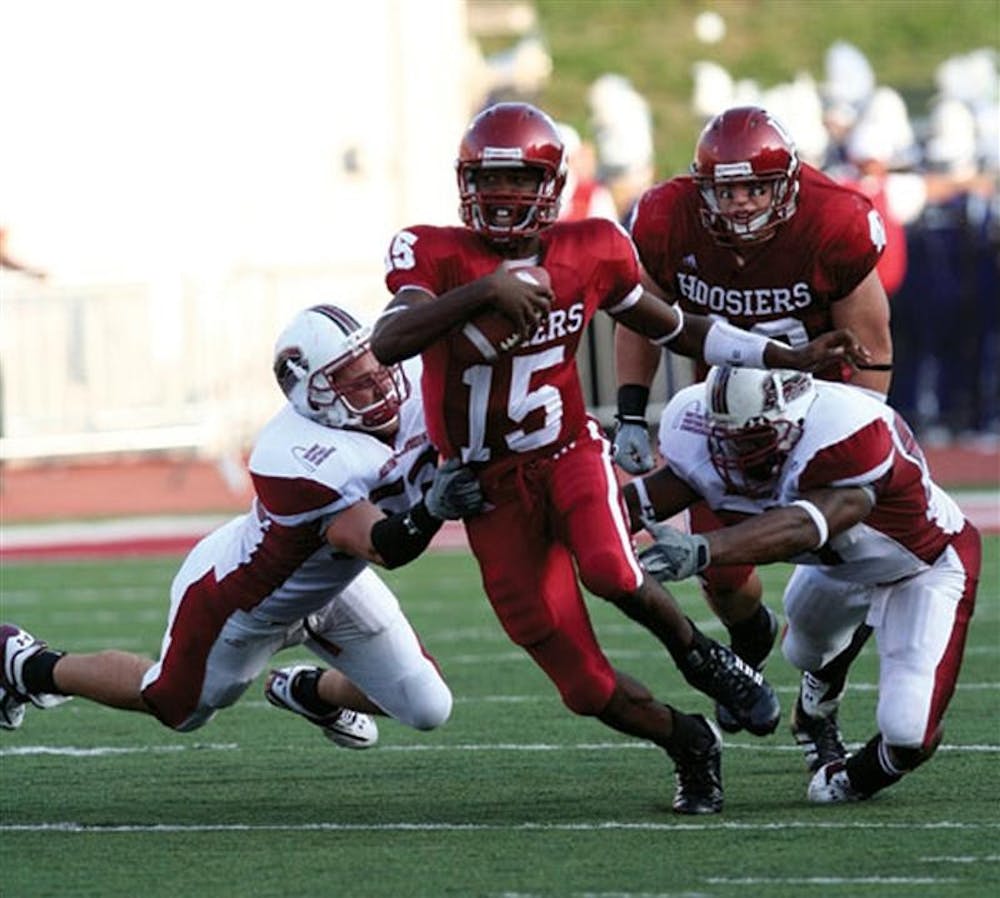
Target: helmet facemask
(506,214)
(739,229)
(368,401)
(749,459)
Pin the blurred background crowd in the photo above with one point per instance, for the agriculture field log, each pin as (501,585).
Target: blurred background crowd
(172,187)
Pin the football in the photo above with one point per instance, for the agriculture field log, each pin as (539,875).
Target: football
(490,334)
(533,274)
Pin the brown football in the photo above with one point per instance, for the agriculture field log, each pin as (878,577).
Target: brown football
(490,334)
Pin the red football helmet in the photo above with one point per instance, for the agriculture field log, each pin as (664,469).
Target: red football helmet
(511,135)
(742,145)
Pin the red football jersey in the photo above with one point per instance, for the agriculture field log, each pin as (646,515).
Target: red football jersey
(784,287)
(530,399)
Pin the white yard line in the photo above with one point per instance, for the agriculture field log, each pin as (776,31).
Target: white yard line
(603,826)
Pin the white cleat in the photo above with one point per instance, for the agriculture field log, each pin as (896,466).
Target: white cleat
(17,647)
(343,727)
(831,785)
(11,710)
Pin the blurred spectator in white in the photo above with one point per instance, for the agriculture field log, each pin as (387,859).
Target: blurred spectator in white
(713,89)
(585,195)
(518,72)
(849,82)
(799,106)
(886,111)
(849,77)
(622,123)
(951,142)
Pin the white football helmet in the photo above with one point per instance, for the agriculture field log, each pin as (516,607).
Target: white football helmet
(755,420)
(316,363)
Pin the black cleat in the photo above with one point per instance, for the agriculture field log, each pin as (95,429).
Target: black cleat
(755,654)
(698,775)
(721,674)
(819,737)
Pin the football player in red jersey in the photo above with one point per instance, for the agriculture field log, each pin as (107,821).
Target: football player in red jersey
(756,238)
(554,511)
(833,480)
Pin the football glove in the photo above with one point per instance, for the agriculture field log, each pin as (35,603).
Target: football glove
(633,451)
(674,555)
(455,492)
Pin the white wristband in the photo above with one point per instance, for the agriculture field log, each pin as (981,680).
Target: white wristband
(728,345)
(647,513)
(819,521)
(664,340)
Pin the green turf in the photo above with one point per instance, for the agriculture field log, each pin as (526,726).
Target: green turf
(513,798)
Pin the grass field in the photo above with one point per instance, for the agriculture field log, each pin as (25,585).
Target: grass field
(513,798)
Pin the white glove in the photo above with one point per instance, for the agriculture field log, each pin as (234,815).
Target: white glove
(633,451)
(455,492)
(674,555)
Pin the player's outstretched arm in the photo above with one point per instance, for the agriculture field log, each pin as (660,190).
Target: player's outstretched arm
(364,531)
(719,343)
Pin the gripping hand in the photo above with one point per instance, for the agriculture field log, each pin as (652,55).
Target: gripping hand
(674,555)
(633,451)
(455,492)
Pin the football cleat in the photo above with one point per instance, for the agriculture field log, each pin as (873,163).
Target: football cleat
(11,710)
(698,776)
(755,655)
(721,674)
(819,698)
(818,737)
(342,726)
(17,648)
(831,785)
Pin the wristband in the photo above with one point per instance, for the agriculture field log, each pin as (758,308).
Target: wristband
(666,338)
(400,538)
(818,519)
(647,514)
(632,399)
(728,345)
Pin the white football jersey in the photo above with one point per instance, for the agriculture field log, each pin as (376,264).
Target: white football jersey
(275,558)
(849,439)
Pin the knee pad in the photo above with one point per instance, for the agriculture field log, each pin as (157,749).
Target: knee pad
(605,573)
(585,679)
(428,701)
